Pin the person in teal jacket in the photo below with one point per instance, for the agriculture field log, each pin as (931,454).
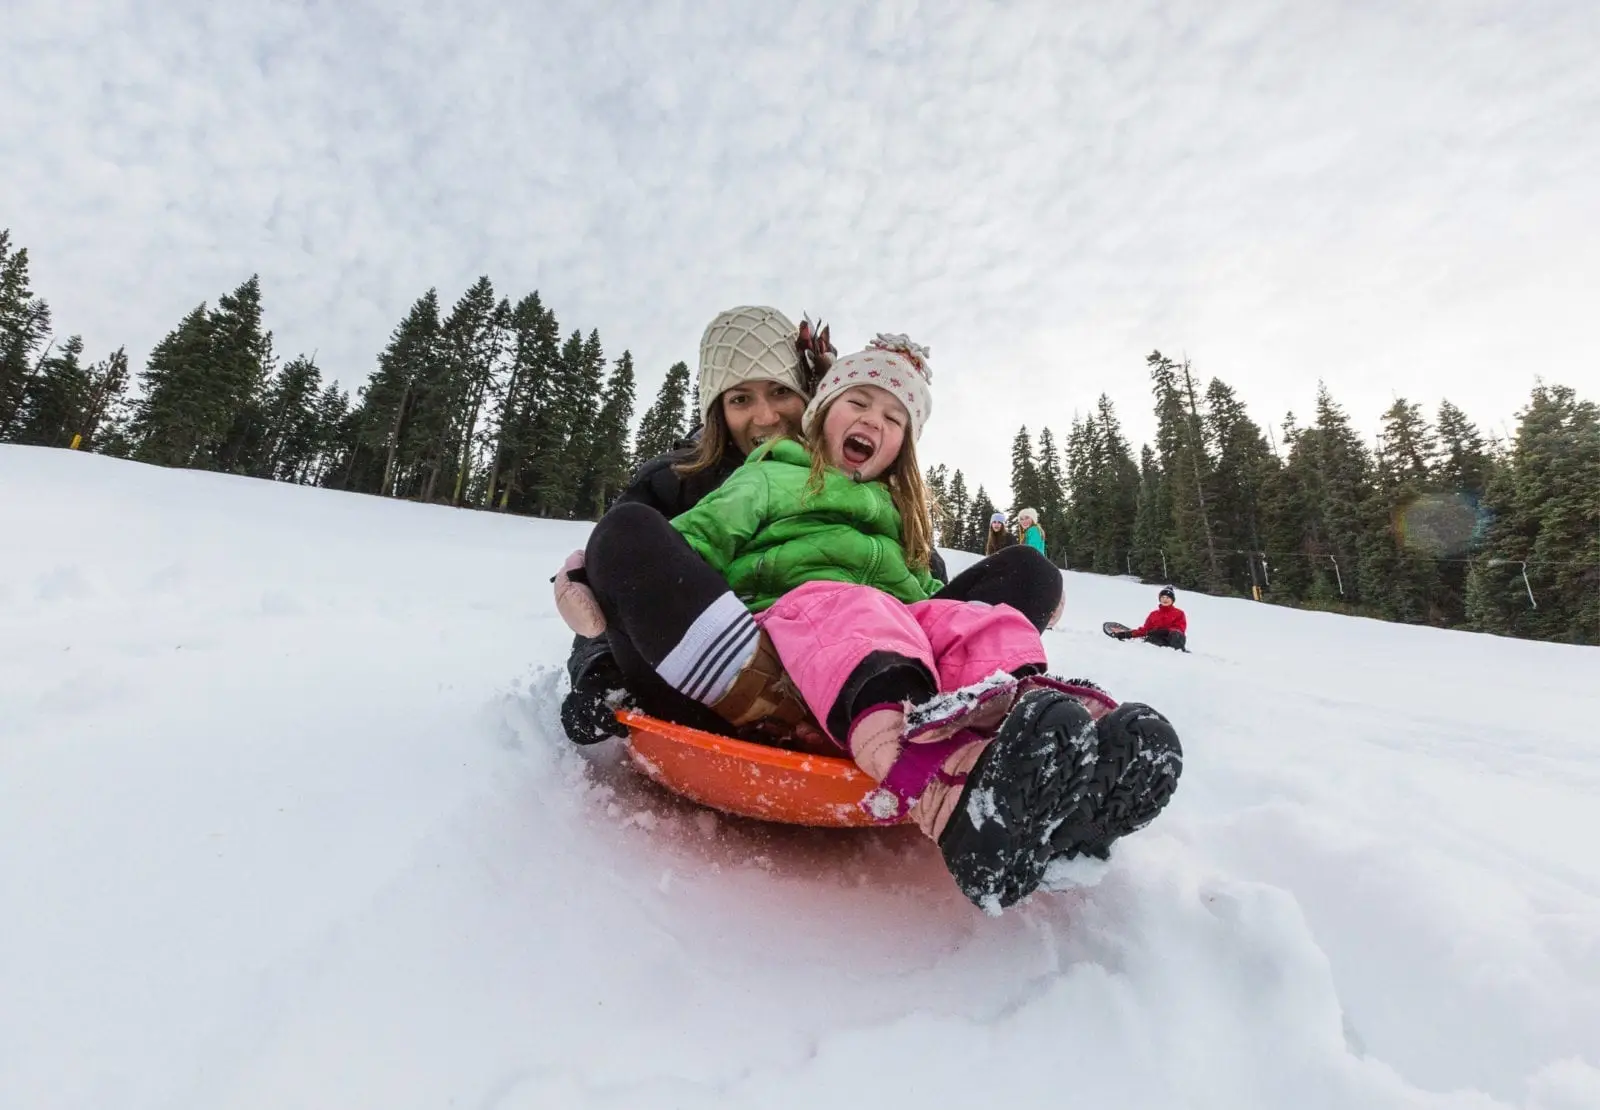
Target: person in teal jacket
(1029,529)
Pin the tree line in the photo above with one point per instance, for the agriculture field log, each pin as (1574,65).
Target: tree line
(490,403)
(1436,525)
(483,403)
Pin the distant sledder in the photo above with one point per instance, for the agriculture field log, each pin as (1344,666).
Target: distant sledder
(1166,626)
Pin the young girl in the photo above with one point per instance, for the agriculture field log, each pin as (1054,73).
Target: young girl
(1029,529)
(941,702)
(1000,536)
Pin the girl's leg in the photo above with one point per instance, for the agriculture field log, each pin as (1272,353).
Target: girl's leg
(865,666)
(971,641)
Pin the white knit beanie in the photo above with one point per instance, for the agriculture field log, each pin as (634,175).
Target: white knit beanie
(890,362)
(1027,514)
(751,343)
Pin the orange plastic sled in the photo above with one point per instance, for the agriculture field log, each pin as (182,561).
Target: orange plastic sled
(751,780)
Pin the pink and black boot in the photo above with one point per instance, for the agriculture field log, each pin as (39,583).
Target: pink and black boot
(1144,788)
(994,805)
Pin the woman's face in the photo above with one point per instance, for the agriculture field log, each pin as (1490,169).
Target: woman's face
(759,411)
(997,526)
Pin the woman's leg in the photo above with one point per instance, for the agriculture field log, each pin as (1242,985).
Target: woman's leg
(1019,577)
(679,634)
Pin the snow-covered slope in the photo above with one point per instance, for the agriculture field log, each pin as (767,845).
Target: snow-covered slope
(286,819)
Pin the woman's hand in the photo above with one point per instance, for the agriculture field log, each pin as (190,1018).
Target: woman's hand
(575,601)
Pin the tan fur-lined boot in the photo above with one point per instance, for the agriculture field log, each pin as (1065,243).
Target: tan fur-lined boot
(762,691)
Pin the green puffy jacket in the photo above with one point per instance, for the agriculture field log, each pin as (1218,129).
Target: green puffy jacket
(766,533)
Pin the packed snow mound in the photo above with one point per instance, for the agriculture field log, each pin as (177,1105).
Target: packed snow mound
(287,819)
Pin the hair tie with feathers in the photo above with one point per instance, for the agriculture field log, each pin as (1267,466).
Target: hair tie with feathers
(903,345)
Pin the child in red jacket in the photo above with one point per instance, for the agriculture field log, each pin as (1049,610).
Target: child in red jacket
(1166,626)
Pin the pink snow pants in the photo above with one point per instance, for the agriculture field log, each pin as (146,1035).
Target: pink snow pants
(824,630)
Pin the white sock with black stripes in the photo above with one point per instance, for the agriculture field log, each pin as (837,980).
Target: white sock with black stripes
(712,652)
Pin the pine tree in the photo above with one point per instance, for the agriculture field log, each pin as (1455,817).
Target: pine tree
(1115,485)
(1464,463)
(1024,477)
(382,458)
(1462,469)
(1052,493)
(202,386)
(938,481)
(960,505)
(1244,466)
(609,465)
(1186,470)
(54,398)
(177,419)
(288,413)
(103,405)
(24,327)
(1344,474)
(451,397)
(1080,525)
(524,423)
(239,364)
(335,427)
(1289,519)
(1151,514)
(664,424)
(1544,509)
(563,440)
(978,516)
(1401,542)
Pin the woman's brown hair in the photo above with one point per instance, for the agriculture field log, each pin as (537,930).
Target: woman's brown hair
(907,489)
(713,444)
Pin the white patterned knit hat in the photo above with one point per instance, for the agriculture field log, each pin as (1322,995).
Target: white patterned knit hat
(890,362)
(751,343)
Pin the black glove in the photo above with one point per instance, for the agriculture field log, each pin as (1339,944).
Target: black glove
(1124,635)
(589,712)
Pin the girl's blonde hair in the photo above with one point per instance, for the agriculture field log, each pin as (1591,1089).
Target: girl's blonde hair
(907,490)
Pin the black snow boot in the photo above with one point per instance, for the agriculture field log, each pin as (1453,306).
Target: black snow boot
(589,711)
(1144,788)
(1047,768)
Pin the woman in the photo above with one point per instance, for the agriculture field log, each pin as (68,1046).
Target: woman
(753,360)
(1000,536)
(1030,531)
(756,368)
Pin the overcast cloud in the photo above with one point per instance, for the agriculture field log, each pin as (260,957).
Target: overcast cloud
(1399,198)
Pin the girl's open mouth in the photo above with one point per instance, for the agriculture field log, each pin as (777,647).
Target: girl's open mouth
(857,449)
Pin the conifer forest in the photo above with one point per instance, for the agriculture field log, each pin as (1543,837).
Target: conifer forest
(489,403)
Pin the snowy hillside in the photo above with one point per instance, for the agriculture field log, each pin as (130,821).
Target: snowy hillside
(286,820)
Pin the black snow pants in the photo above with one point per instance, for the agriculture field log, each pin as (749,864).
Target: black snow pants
(1167,637)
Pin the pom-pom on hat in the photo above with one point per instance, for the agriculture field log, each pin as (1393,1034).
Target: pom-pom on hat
(751,343)
(892,363)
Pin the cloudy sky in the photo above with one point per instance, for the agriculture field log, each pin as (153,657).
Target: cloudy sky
(1400,198)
